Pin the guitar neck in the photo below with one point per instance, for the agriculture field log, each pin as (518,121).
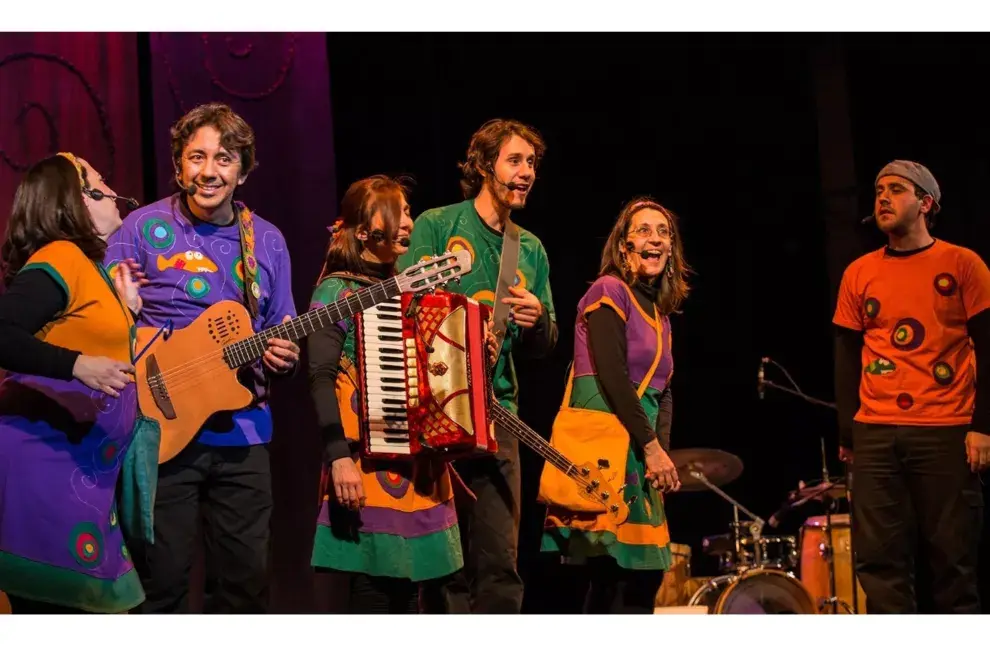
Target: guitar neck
(532,439)
(248,350)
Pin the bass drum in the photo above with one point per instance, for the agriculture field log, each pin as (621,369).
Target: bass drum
(757,591)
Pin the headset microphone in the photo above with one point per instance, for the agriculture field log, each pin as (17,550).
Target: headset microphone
(509,186)
(97,195)
(378,236)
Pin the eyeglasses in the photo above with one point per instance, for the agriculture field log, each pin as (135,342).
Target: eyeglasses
(645,231)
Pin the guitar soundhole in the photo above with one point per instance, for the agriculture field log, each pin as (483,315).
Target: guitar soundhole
(223,329)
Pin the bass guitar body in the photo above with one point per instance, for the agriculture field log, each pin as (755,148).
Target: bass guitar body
(183,378)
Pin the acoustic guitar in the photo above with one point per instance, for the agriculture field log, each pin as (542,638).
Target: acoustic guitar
(188,375)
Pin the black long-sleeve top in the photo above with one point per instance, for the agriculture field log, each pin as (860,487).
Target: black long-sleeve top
(540,340)
(607,340)
(33,300)
(324,350)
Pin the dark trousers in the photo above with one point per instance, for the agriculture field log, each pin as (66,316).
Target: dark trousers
(382,595)
(235,485)
(607,588)
(915,496)
(20,605)
(489,582)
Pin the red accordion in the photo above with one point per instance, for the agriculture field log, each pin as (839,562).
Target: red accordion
(425,387)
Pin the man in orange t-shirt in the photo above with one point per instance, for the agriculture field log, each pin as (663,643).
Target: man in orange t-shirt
(912,341)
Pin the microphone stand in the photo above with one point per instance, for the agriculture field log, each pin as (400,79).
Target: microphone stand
(810,399)
(827,500)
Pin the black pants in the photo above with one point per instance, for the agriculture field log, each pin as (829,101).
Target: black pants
(616,590)
(603,587)
(20,605)
(489,582)
(914,495)
(235,485)
(382,595)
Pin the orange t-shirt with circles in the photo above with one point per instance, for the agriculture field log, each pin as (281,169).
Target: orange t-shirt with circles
(919,366)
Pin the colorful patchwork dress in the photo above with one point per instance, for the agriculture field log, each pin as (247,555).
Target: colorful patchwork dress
(408,526)
(642,542)
(61,449)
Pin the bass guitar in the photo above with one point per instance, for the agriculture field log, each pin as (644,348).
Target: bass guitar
(591,482)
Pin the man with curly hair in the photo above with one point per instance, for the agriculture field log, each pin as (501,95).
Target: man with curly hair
(510,272)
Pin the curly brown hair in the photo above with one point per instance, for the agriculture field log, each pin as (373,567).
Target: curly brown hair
(484,147)
(363,199)
(48,207)
(672,290)
(236,135)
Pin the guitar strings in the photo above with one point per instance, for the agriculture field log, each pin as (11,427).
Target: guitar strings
(550,454)
(402,280)
(179,369)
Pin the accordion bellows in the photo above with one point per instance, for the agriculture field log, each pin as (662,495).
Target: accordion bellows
(425,385)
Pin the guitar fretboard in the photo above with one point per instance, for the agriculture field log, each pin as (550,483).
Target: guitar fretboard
(248,350)
(535,442)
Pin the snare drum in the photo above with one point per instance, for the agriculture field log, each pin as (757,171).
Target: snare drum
(756,591)
(814,563)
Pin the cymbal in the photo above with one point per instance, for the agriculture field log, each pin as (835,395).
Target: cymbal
(719,467)
(833,489)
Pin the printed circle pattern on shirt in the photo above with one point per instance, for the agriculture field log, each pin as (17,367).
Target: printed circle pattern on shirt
(459,227)
(918,362)
(158,233)
(192,265)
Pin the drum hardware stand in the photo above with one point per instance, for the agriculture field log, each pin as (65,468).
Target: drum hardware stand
(828,551)
(763,382)
(756,524)
(852,548)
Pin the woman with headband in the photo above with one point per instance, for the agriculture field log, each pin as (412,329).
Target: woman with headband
(67,400)
(617,404)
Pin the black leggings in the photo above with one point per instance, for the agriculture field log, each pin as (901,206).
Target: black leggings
(383,595)
(20,605)
(617,590)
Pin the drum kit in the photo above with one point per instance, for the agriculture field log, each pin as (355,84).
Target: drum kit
(765,574)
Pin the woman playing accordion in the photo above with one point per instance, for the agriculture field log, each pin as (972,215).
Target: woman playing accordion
(389,524)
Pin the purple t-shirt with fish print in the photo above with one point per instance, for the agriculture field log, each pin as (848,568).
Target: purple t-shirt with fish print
(191,265)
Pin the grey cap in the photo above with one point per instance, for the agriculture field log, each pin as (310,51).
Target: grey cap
(917,174)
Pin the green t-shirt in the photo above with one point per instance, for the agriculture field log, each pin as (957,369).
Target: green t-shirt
(459,227)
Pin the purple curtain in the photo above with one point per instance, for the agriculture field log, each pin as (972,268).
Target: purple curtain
(69,92)
(280,84)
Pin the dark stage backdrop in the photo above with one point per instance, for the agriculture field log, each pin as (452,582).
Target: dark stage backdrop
(765,145)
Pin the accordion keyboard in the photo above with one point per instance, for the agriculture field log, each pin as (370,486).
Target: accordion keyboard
(389,367)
